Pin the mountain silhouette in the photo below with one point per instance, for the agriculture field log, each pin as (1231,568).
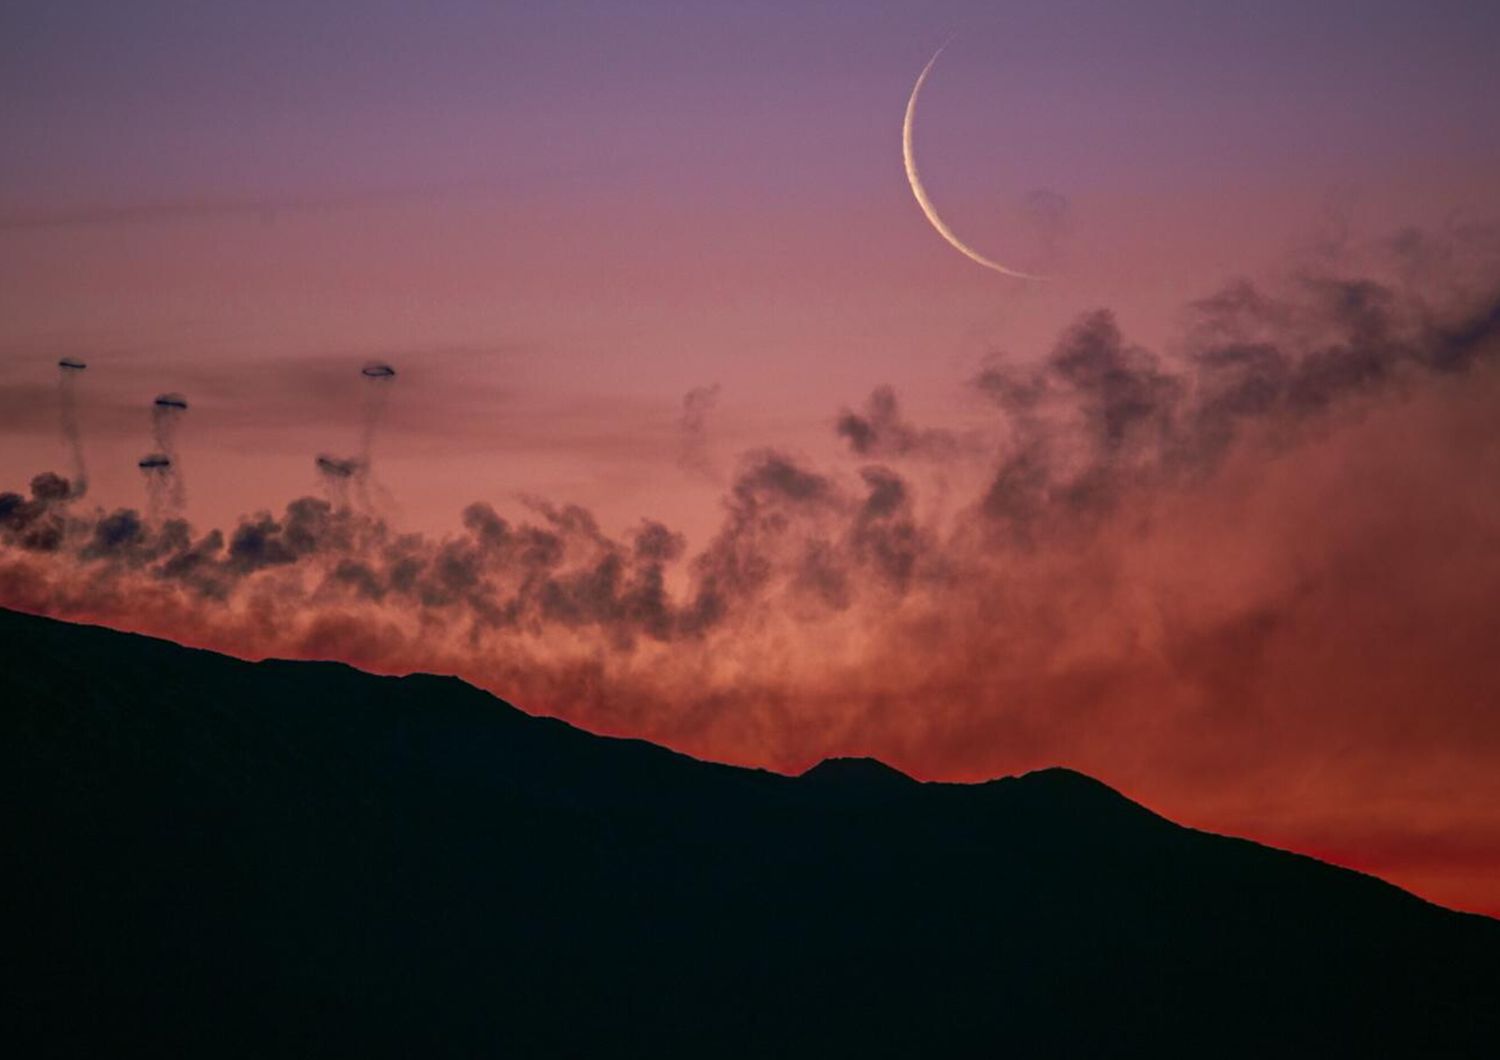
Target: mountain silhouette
(211,857)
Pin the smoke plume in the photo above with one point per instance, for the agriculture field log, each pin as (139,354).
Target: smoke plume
(378,378)
(349,480)
(68,371)
(166,489)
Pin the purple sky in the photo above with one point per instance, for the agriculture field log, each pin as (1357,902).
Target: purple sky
(582,211)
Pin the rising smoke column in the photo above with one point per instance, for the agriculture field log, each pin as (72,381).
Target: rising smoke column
(160,485)
(343,476)
(337,474)
(378,379)
(165,487)
(68,371)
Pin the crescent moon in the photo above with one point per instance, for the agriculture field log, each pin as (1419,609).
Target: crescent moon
(924,201)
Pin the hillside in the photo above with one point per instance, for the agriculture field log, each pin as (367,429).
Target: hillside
(215,857)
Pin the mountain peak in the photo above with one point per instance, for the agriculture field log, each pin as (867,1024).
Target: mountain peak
(860,770)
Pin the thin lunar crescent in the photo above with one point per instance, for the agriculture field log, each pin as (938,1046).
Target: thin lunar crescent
(920,192)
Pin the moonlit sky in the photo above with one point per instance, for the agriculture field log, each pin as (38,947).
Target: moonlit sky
(559,219)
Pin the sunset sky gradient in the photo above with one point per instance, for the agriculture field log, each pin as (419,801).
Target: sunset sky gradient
(1211,514)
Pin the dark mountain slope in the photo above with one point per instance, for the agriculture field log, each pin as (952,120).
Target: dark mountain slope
(213,857)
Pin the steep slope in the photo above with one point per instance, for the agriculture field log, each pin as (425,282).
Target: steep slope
(227,858)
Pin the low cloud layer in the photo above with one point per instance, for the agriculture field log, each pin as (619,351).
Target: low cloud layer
(1252,580)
